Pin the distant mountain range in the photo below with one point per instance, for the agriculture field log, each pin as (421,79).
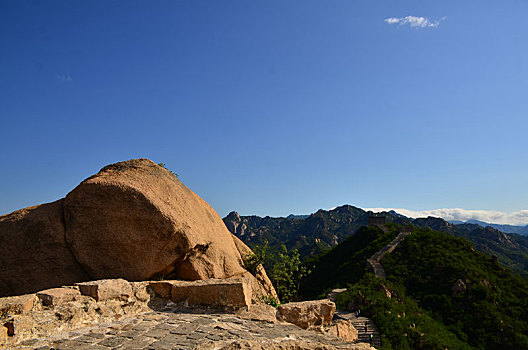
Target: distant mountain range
(522,230)
(324,229)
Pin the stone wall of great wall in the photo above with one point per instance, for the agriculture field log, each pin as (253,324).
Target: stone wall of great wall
(205,314)
(373,263)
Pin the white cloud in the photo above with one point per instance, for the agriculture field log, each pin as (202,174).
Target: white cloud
(64,78)
(392,20)
(415,22)
(490,216)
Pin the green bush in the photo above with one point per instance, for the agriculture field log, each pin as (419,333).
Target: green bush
(164,166)
(269,300)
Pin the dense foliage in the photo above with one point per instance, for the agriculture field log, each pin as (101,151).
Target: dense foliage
(284,268)
(346,263)
(510,249)
(400,321)
(480,301)
(440,292)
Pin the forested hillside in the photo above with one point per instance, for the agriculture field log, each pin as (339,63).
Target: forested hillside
(440,291)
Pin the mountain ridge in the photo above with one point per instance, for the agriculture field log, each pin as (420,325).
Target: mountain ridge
(324,229)
(506,228)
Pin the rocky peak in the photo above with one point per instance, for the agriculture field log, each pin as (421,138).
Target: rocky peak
(233,216)
(434,223)
(498,236)
(235,223)
(348,209)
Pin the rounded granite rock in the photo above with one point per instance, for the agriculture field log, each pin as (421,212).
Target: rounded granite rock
(137,221)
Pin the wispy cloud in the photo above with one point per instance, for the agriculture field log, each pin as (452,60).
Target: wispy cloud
(64,78)
(415,22)
(490,216)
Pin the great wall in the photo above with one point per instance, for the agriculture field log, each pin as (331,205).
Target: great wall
(374,263)
(367,330)
(208,314)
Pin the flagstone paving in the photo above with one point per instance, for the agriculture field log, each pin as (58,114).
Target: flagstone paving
(176,330)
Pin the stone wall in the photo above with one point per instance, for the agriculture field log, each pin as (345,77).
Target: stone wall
(47,315)
(58,309)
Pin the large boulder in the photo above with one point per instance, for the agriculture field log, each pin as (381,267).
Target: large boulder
(137,221)
(306,314)
(343,329)
(133,220)
(33,253)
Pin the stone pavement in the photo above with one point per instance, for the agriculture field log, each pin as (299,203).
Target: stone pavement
(176,330)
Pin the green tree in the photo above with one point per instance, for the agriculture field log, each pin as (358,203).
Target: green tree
(287,274)
(253,260)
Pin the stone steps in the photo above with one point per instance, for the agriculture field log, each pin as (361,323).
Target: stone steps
(359,324)
(373,263)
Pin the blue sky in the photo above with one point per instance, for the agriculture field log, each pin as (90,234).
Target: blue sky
(271,107)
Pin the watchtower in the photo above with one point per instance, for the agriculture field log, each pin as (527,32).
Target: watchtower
(378,221)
